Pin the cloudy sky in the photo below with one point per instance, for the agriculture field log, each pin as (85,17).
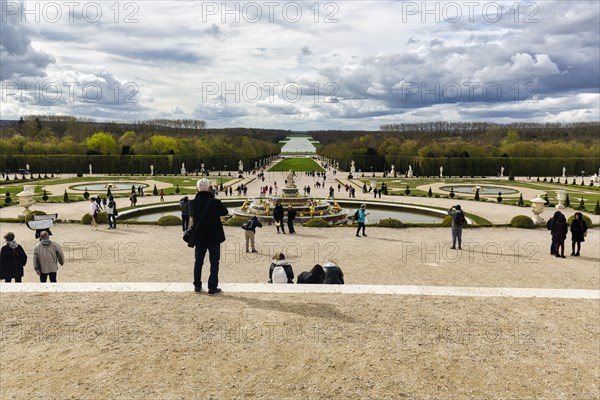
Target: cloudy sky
(302,65)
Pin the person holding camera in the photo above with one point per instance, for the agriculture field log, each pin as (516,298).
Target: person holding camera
(458,220)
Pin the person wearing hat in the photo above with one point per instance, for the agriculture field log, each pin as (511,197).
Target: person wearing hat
(458,219)
(362,217)
(206,213)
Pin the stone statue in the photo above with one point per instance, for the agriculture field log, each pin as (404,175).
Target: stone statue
(441,172)
(183,171)
(352,167)
(501,172)
(392,172)
(152,169)
(410,171)
(90,166)
(564,175)
(27,167)
(240,166)
(290,180)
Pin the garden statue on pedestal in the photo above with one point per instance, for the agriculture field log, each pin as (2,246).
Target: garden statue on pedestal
(564,175)
(241,166)
(183,171)
(152,170)
(410,171)
(90,166)
(501,172)
(392,171)
(352,167)
(441,172)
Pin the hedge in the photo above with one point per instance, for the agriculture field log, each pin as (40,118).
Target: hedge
(236,221)
(390,223)
(169,220)
(522,221)
(317,223)
(101,218)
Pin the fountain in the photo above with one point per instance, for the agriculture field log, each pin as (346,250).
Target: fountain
(307,207)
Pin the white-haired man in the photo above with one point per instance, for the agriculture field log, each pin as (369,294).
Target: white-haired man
(206,213)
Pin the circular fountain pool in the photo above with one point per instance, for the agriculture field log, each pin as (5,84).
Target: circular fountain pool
(114,186)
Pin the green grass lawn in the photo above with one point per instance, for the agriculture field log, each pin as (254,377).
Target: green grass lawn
(297,164)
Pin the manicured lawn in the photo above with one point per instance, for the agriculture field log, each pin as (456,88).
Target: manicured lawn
(297,164)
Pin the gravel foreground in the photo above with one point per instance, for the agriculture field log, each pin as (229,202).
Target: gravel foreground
(318,346)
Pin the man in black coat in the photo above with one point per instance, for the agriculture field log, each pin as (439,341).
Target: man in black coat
(206,213)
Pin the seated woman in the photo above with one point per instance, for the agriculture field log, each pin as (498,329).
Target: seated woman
(279,263)
(316,275)
(333,274)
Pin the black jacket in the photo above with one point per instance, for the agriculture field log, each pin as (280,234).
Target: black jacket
(210,230)
(578,228)
(12,262)
(333,275)
(291,214)
(309,277)
(278,213)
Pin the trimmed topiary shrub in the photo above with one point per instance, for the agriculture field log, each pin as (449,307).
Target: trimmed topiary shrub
(581,205)
(477,198)
(169,220)
(86,194)
(29,216)
(236,221)
(429,193)
(45,196)
(390,223)
(66,197)
(447,222)
(155,190)
(499,198)
(452,193)
(7,199)
(101,218)
(177,190)
(567,201)
(407,190)
(317,223)
(521,203)
(597,208)
(587,220)
(522,221)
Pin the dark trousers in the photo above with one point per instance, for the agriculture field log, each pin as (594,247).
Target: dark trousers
(290,225)
(214,256)
(560,247)
(17,279)
(52,275)
(360,225)
(185,221)
(281,225)
(578,247)
(112,220)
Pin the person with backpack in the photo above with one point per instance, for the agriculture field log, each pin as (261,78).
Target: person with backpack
(206,213)
(578,233)
(458,220)
(361,217)
(280,270)
(184,206)
(250,231)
